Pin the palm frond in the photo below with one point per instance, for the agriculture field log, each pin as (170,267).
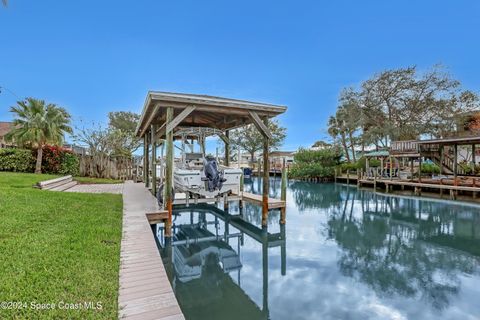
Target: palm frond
(37,124)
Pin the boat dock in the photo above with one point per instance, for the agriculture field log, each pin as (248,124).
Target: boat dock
(452,186)
(144,289)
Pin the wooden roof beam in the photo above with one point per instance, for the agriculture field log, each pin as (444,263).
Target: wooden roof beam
(150,119)
(260,125)
(175,122)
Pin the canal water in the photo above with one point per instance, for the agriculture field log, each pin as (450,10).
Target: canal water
(344,253)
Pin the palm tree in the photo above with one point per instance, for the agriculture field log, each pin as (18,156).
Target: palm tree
(37,124)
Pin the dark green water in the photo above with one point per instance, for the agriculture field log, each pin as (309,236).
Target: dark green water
(343,254)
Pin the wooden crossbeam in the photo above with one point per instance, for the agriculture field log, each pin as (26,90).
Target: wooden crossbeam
(160,131)
(150,119)
(175,122)
(260,125)
(222,136)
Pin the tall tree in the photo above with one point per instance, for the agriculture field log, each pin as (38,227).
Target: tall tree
(248,138)
(122,126)
(346,122)
(37,124)
(401,104)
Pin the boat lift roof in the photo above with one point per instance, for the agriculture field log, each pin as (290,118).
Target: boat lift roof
(192,110)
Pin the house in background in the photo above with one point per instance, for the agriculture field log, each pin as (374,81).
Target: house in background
(278,158)
(5,128)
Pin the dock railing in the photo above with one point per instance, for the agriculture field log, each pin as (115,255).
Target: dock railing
(404,147)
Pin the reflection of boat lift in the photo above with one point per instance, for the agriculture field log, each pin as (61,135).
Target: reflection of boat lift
(187,263)
(192,246)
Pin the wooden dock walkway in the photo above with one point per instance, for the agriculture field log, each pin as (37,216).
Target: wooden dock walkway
(257,199)
(145,291)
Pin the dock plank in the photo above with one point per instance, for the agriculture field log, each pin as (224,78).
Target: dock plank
(145,291)
(257,199)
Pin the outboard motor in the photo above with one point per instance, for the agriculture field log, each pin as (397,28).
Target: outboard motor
(213,177)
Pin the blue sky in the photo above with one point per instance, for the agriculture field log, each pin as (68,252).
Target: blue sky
(93,57)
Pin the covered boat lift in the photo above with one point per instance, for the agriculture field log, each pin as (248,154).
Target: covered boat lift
(165,114)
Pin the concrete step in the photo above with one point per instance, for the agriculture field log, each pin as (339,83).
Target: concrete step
(49,184)
(65,186)
(56,184)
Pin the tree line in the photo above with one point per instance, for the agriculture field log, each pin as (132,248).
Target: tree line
(400,104)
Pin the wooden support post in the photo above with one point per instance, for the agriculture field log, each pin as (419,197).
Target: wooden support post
(367,167)
(153,129)
(259,167)
(382,168)
(169,174)
(265,176)
(227,149)
(375,180)
(283,194)
(348,176)
(283,251)
(225,202)
(145,160)
(442,156)
(240,202)
(455,164)
(147,167)
(391,168)
(420,169)
(411,169)
(417,191)
(453,195)
(474,162)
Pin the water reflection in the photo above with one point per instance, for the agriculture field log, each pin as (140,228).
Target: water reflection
(205,268)
(399,245)
(351,254)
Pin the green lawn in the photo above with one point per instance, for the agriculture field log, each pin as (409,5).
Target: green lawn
(57,247)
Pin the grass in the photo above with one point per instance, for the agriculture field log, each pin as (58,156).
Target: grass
(88,180)
(55,247)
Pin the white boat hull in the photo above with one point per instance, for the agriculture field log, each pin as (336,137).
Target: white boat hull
(191,181)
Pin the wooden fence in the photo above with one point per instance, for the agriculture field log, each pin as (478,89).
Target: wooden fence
(121,168)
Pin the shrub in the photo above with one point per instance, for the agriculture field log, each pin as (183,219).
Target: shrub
(325,157)
(55,160)
(311,170)
(18,160)
(362,163)
(349,166)
(52,159)
(59,160)
(430,168)
(315,163)
(70,164)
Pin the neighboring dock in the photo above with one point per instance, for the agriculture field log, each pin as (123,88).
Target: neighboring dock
(145,291)
(450,185)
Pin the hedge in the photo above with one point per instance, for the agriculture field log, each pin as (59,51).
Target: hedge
(315,163)
(55,160)
(59,160)
(17,160)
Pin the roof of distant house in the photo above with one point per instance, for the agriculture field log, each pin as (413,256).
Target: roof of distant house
(5,128)
(281,153)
